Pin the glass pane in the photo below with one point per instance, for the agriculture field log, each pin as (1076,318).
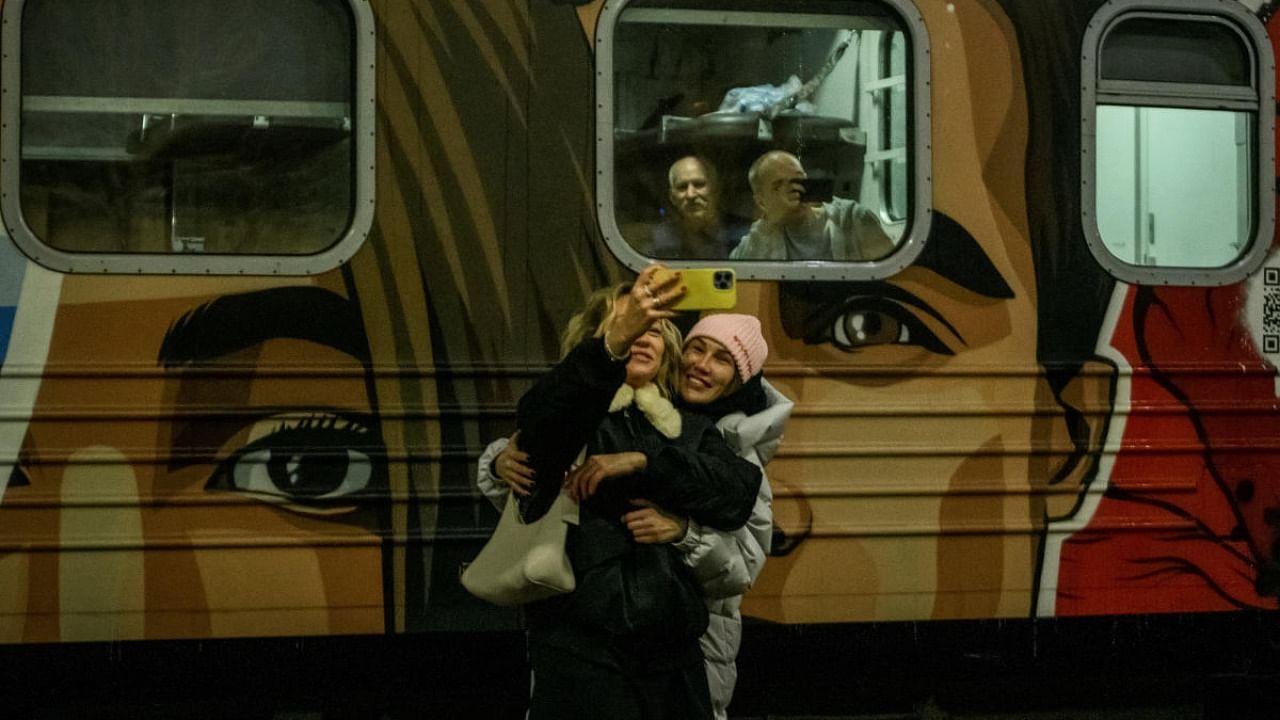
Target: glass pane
(895,130)
(897,54)
(1184,51)
(1173,185)
(703,92)
(896,190)
(134,141)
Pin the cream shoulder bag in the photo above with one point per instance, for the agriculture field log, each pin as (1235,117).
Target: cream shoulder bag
(523,562)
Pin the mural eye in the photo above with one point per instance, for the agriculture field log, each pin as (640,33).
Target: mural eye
(308,460)
(856,329)
(864,322)
(302,474)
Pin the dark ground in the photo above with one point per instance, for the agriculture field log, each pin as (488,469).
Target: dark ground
(1217,667)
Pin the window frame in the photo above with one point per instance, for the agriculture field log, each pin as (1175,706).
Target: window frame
(1259,100)
(363,113)
(920,133)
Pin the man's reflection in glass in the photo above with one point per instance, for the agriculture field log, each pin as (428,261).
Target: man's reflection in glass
(695,227)
(792,228)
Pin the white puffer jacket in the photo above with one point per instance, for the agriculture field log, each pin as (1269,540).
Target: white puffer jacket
(727,563)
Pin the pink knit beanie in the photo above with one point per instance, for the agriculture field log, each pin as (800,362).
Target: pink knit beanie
(741,336)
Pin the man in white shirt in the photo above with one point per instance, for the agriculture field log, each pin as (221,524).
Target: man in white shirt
(790,229)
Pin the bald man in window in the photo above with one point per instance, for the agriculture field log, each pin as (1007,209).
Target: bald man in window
(696,227)
(791,229)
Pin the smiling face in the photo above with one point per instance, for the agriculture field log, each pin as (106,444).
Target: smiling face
(693,192)
(708,371)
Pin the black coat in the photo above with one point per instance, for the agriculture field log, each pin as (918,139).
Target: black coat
(696,475)
(636,606)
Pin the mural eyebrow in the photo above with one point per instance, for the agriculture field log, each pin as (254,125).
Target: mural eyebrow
(955,254)
(235,322)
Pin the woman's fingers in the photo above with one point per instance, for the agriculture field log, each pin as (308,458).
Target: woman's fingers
(665,290)
(579,482)
(639,523)
(521,487)
(656,295)
(645,526)
(520,471)
(645,278)
(594,483)
(512,467)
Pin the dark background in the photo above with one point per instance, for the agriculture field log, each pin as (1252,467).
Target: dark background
(1217,666)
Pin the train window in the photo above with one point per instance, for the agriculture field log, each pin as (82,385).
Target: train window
(1178,148)
(188,136)
(1169,49)
(789,140)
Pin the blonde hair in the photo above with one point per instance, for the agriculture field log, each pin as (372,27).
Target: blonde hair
(593,321)
(668,377)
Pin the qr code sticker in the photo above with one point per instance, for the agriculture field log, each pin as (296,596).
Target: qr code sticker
(1271,319)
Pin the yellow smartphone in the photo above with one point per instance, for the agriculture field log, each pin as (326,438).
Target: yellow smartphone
(708,288)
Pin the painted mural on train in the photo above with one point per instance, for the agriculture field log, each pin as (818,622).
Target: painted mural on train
(998,429)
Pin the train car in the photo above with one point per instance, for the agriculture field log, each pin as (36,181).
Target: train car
(273,274)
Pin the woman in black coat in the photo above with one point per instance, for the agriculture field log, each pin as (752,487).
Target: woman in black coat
(624,644)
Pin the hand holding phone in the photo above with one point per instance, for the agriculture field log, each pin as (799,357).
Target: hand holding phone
(816,190)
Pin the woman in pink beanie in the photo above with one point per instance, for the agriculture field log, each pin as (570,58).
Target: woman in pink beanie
(722,353)
(721,379)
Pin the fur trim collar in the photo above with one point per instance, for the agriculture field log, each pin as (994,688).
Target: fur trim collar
(661,413)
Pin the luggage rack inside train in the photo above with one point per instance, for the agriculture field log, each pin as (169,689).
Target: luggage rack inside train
(68,128)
